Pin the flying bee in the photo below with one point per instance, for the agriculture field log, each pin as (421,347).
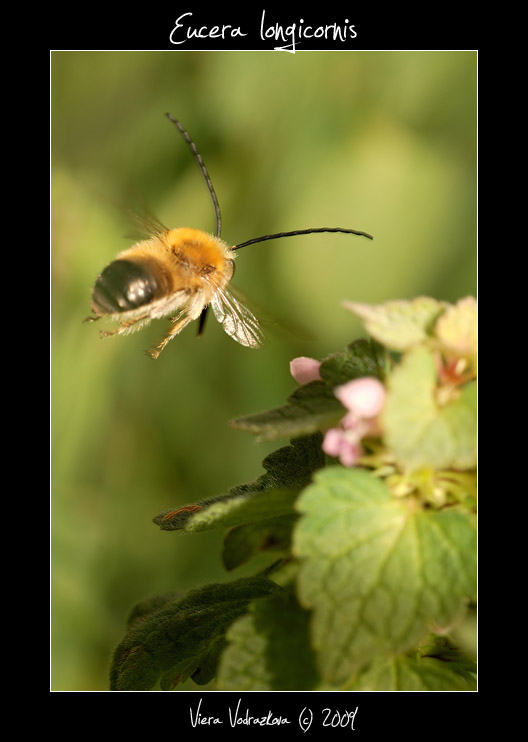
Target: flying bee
(180,273)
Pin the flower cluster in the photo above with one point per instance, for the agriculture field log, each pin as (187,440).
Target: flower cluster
(363,400)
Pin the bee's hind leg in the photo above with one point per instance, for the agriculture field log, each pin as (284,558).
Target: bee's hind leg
(178,323)
(125,327)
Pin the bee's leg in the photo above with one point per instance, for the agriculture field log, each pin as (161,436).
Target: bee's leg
(125,326)
(91,318)
(178,324)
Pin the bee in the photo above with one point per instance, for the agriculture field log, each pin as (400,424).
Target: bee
(180,273)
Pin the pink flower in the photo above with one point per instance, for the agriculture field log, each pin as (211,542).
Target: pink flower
(337,443)
(364,399)
(305,369)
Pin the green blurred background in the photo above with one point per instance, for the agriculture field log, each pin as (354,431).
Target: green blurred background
(378,141)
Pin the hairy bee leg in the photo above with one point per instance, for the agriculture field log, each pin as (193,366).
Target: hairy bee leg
(177,327)
(123,326)
(91,318)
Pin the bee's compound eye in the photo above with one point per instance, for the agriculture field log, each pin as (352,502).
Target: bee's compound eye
(122,286)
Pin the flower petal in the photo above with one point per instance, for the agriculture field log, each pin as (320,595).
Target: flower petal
(343,446)
(333,441)
(365,397)
(350,454)
(305,369)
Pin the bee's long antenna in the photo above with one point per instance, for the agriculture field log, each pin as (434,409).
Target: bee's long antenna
(201,163)
(302,231)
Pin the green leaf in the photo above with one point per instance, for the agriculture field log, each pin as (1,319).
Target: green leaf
(441,648)
(289,468)
(465,633)
(243,509)
(142,609)
(377,571)
(420,431)
(181,638)
(400,324)
(311,407)
(293,466)
(406,674)
(206,673)
(271,536)
(269,649)
(361,358)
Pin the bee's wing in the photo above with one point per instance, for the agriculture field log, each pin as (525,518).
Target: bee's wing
(236,319)
(145,223)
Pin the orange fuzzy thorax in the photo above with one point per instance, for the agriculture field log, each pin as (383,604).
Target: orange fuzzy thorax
(201,251)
